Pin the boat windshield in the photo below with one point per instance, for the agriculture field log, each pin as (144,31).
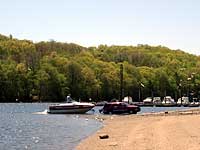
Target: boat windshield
(69,99)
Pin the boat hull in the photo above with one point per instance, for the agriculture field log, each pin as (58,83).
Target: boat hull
(69,110)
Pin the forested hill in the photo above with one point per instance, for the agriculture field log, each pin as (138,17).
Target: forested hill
(48,71)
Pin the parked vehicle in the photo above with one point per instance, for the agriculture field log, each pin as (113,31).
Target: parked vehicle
(119,107)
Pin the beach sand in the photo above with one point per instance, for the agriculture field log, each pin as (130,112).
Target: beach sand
(162,131)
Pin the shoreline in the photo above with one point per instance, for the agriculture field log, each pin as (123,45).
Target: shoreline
(150,131)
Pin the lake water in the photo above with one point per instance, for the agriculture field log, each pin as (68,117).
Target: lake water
(160,109)
(22,127)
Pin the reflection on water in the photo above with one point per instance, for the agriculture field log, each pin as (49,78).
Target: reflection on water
(45,112)
(22,128)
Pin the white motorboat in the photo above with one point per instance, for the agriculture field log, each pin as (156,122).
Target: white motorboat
(157,101)
(184,101)
(168,101)
(127,99)
(70,108)
(148,101)
(194,103)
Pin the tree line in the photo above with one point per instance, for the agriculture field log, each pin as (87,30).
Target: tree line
(48,71)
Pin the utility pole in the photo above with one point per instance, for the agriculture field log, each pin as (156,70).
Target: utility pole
(188,90)
(121,82)
(180,89)
(139,93)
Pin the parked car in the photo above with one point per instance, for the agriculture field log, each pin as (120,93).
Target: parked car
(119,107)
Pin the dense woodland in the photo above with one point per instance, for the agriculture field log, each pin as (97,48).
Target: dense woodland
(48,71)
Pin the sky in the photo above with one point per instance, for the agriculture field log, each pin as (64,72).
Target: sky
(171,23)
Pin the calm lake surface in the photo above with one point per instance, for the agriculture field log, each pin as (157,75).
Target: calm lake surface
(22,127)
(161,109)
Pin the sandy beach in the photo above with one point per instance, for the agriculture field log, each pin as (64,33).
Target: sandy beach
(161,131)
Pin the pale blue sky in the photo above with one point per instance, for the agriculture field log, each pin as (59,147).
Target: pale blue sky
(171,23)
